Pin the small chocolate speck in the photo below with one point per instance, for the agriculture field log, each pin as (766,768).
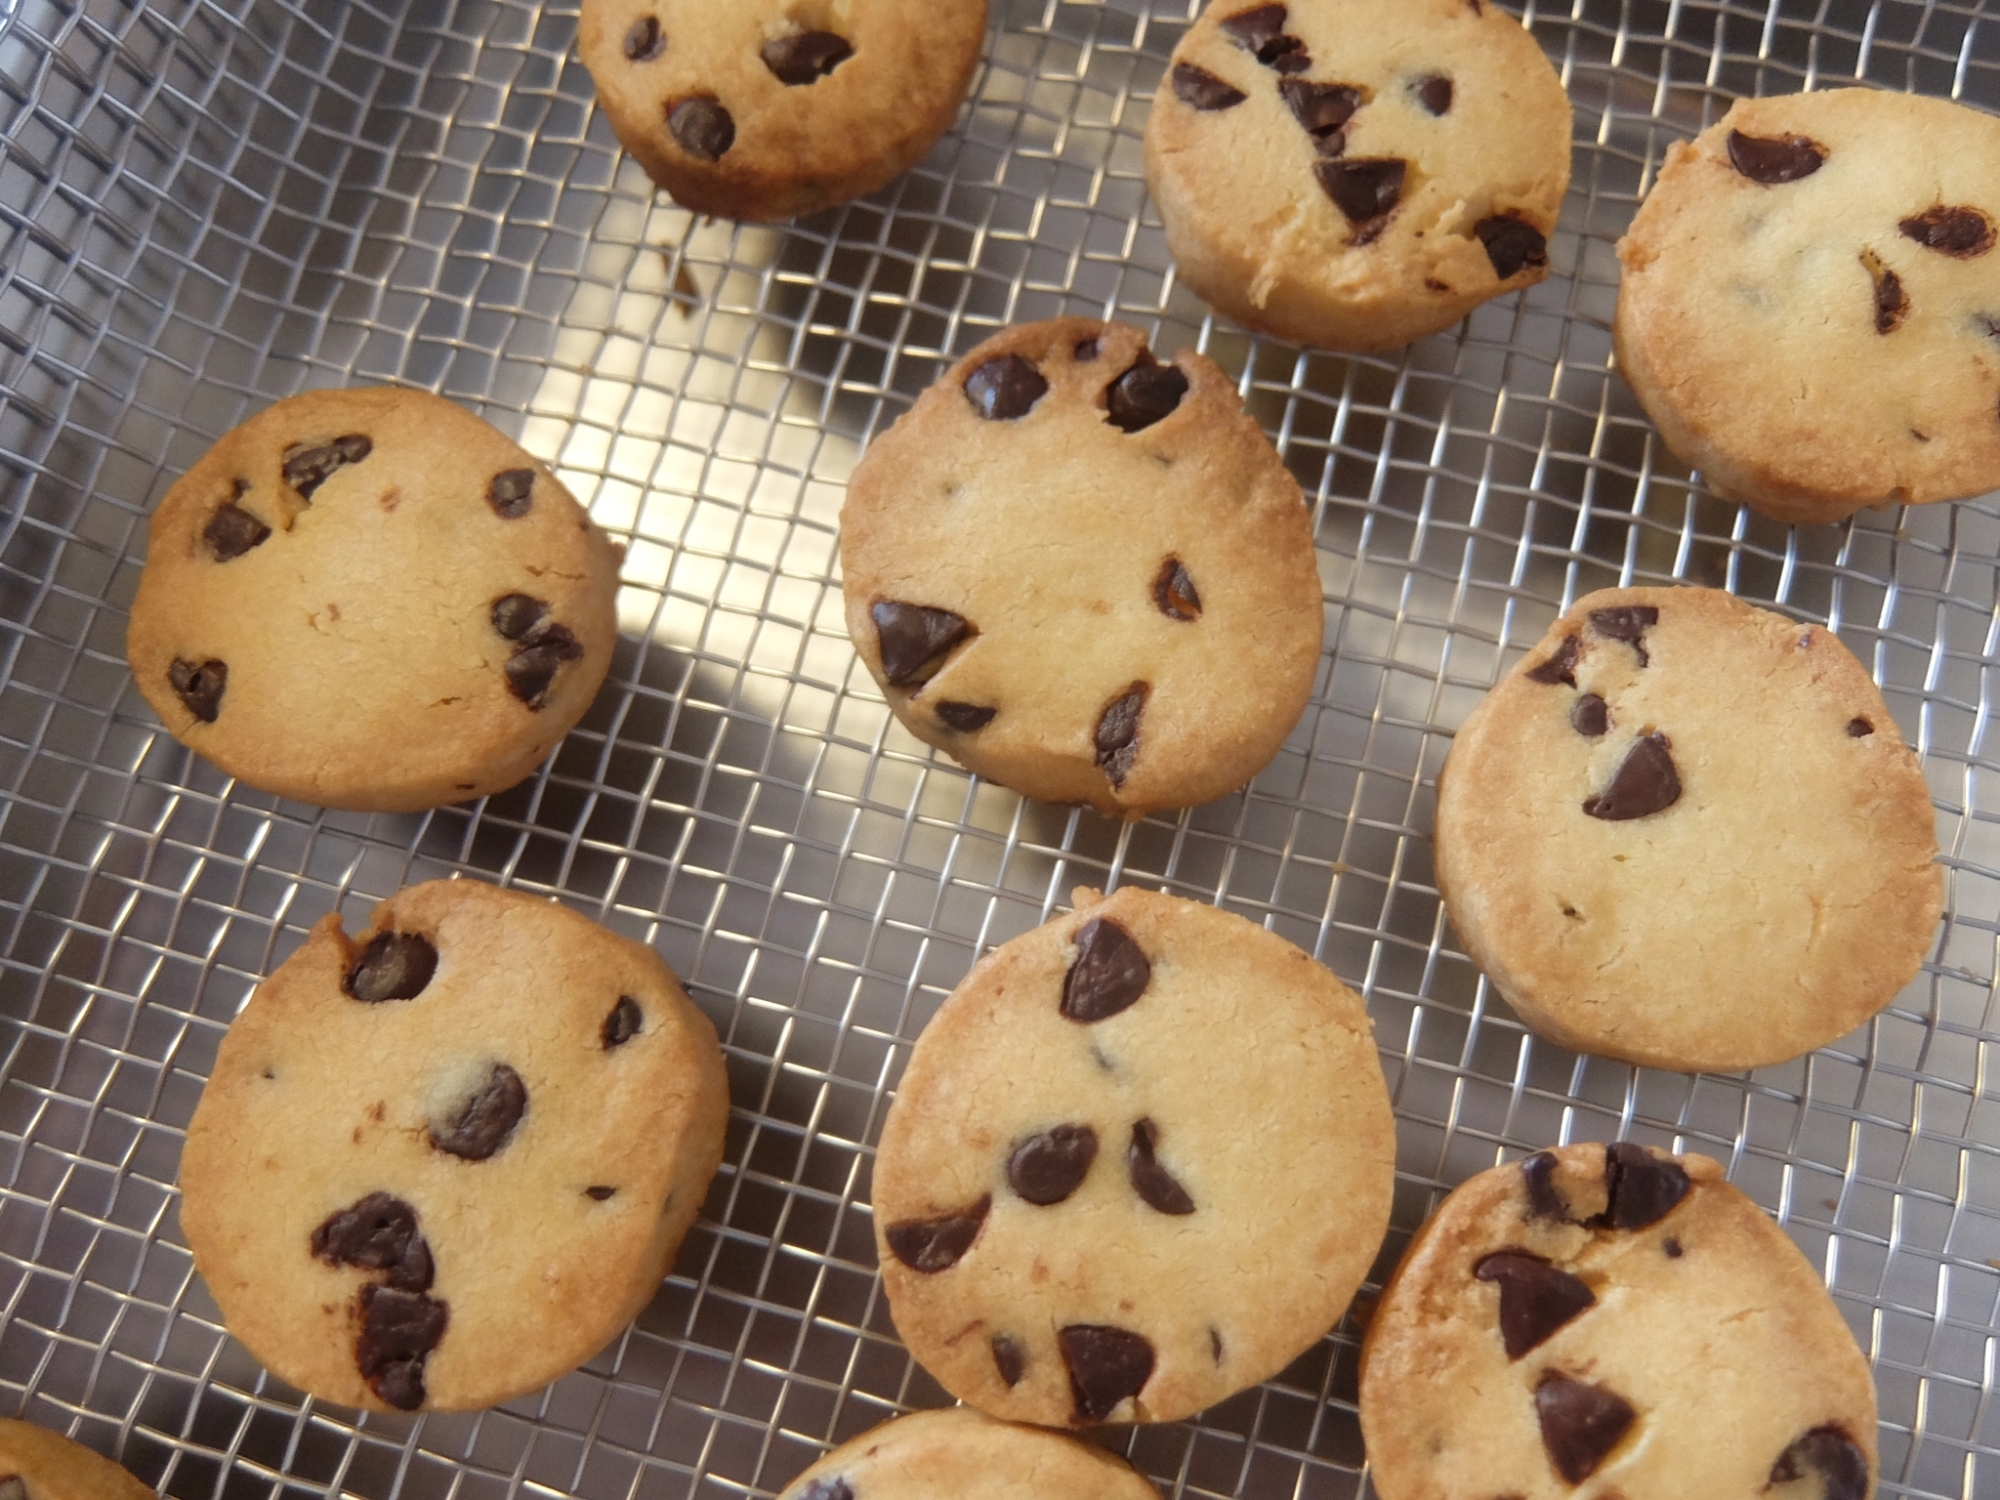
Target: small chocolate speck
(1858,728)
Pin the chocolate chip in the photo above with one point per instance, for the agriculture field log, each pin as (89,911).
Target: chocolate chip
(1857,728)
(1106,1365)
(1673,1249)
(1174,592)
(1005,388)
(915,639)
(625,1022)
(835,1488)
(1262,32)
(512,493)
(1362,188)
(306,469)
(1145,394)
(1589,716)
(1322,108)
(1560,666)
(1433,91)
(1538,1173)
(1047,1168)
(1627,623)
(1959,232)
(600,1194)
(1830,1453)
(1008,1360)
(1536,1298)
(703,127)
(644,40)
(377,1233)
(805,56)
(1774,159)
(1512,243)
(233,531)
(1645,782)
(399,1330)
(518,616)
(392,966)
(1200,89)
(483,1123)
(1641,1189)
(1581,1424)
(1111,972)
(532,669)
(1155,1185)
(1118,732)
(932,1245)
(1085,351)
(965,717)
(1892,303)
(199,686)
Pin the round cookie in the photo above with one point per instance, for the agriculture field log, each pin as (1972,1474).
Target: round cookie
(445,1163)
(36,1464)
(966,1454)
(1685,832)
(371,599)
(1084,574)
(1810,305)
(1358,173)
(1140,1160)
(1611,1321)
(762,109)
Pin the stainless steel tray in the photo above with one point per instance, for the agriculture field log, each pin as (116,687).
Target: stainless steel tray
(206,204)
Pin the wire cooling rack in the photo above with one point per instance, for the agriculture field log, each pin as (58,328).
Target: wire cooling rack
(208,204)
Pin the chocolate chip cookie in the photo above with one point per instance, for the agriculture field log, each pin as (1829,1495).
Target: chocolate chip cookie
(36,1464)
(371,599)
(1810,307)
(1085,574)
(444,1163)
(969,1456)
(1140,1160)
(762,109)
(1358,173)
(1686,832)
(1601,1321)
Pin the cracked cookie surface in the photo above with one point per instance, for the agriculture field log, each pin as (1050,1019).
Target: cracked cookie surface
(964,1453)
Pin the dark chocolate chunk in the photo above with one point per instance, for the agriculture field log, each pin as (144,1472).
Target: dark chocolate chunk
(1322,108)
(1857,728)
(399,1330)
(199,686)
(233,531)
(1106,1365)
(836,1488)
(484,1122)
(965,717)
(1005,388)
(1364,188)
(1433,91)
(1959,232)
(1200,89)
(1110,973)
(1538,1174)
(1009,1360)
(518,616)
(915,639)
(1581,1424)
(805,56)
(1560,666)
(1627,623)
(1145,394)
(1262,31)
(600,1194)
(306,469)
(644,41)
(1774,159)
(625,1022)
(1640,1188)
(1892,303)
(931,1245)
(1589,716)
(512,493)
(1536,1298)
(1156,1186)
(1118,732)
(532,669)
(1512,243)
(377,1233)
(1047,1168)
(1174,592)
(1645,782)
(1830,1453)
(702,126)
(392,966)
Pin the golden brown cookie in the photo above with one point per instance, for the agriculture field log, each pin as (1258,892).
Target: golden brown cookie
(36,1464)
(967,1455)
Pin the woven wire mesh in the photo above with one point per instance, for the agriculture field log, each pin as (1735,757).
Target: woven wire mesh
(208,204)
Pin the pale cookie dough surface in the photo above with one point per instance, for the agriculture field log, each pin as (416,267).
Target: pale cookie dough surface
(384,1215)
(1686,832)
(762,109)
(1358,173)
(371,599)
(967,1455)
(1127,616)
(1612,1322)
(1141,1160)
(1812,314)
(36,1464)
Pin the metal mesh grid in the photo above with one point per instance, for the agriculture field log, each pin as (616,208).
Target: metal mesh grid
(207,204)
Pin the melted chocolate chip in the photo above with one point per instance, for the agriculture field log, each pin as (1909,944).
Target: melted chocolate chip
(1111,972)
(392,966)
(1581,1424)
(1262,32)
(1512,244)
(1958,232)
(1156,1186)
(644,40)
(1641,1189)
(1538,1174)
(703,127)
(199,686)
(915,639)
(1589,716)
(1560,665)
(1174,592)
(1106,1366)
(1830,1453)
(1857,728)
(518,616)
(1892,303)
(965,717)
(512,493)
(805,56)
(1774,159)
(1145,394)
(1627,623)
(1363,188)
(932,1245)
(306,469)
(625,1022)
(398,1332)
(599,1194)
(1005,388)
(1008,1360)
(1200,89)
(233,531)
(1433,91)
(1047,1168)
(378,1233)
(1117,735)
(1536,1298)
(532,669)
(1323,109)
(1645,783)
(484,1122)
